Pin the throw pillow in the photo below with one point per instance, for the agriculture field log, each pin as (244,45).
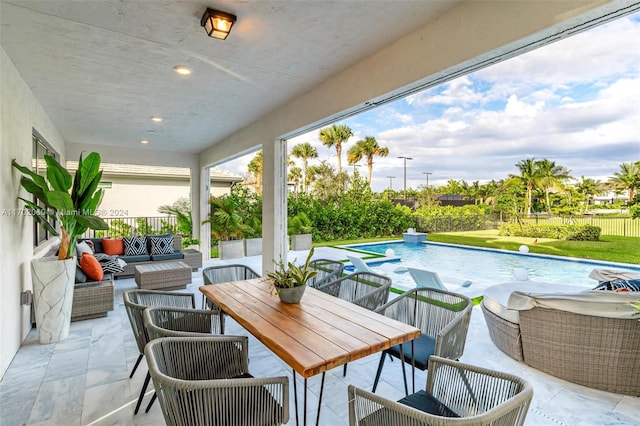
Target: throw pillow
(113,246)
(81,277)
(91,267)
(111,266)
(134,246)
(619,285)
(83,247)
(161,244)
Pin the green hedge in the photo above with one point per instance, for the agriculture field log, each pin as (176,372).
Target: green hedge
(558,232)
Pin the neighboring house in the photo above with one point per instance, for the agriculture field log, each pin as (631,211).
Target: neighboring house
(135,191)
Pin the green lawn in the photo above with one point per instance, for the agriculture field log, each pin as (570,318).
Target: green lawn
(609,248)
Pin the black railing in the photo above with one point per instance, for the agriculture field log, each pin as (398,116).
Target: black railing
(129,226)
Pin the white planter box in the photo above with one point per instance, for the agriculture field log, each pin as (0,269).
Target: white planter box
(231,249)
(301,242)
(253,246)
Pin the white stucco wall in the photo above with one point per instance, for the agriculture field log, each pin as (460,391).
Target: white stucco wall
(142,196)
(20,112)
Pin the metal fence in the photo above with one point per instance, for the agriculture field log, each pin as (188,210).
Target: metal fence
(618,226)
(129,226)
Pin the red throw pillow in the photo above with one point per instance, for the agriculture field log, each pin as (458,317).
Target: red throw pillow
(113,247)
(91,267)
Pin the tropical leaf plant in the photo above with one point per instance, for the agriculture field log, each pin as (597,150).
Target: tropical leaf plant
(70,201)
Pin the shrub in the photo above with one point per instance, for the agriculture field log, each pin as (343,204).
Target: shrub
(635,212)
(558,232)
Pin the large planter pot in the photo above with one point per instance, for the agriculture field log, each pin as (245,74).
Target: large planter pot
(301,242)
(253,246)
(53,282)
(291,295)
(231,249)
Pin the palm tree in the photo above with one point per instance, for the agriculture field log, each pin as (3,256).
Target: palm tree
(529,178)
(295,174)
(255,168)
(304,151)
(336,135)
(590,188)
(550,176)
(628,178)
(366,148)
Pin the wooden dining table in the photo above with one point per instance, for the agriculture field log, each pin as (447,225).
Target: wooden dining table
(319,333)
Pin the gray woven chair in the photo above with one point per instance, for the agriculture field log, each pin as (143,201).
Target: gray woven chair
(224,274)
(202,381)
(442,317)
(135,302)
(455,394)
(180,322)
(327,271)
(364,289)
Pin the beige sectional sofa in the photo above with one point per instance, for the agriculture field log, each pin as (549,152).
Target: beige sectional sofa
(589,337)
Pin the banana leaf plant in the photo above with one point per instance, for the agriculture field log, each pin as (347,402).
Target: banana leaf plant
(70,201)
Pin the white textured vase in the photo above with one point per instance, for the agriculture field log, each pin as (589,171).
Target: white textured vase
(53,281)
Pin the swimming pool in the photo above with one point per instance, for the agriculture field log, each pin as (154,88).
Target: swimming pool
(485,267)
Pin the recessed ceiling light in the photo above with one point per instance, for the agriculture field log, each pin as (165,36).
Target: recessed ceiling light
(182,69)
(151,132)
(144,141)
(156,119)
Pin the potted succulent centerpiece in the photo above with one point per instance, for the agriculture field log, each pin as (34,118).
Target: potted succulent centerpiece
(65,206)
(290,280)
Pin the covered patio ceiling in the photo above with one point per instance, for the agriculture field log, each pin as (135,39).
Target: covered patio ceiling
(101,69)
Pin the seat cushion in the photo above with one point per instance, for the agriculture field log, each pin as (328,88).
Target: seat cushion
(134,259)
(426,402)
(172,256)
(496,297)
(424,347)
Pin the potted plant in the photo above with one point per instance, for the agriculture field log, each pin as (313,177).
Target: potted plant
(299,227)
(290,281)
(71,204)
(227,227)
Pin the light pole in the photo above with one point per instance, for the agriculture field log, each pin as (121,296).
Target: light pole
(391,178)
(427,175)
(354,167)
(405,174)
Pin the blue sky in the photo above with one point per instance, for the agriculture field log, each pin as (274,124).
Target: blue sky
(575,102)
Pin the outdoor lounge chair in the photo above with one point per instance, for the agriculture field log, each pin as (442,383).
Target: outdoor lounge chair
(135,302)
(429,279)
(359,265)
(455,394)
(205,381)
(442,317)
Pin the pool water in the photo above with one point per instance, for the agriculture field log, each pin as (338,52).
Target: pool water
(485,267)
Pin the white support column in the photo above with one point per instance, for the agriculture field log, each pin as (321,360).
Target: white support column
(202,205)
(274,204)
(195,201)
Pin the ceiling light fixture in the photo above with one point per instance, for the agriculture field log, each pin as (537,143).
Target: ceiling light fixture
(156,119)
(217,24)
(182,69)
(144,141)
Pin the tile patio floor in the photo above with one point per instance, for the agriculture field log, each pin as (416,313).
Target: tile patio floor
(84,380)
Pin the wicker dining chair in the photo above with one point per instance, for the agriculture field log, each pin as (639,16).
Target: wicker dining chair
(224,274)
(180,322)
(455,394)
(135,302)
(443,319)
(327,271)
(202,381)
(365,289)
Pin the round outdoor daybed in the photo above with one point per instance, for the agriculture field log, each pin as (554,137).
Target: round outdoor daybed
(587,337)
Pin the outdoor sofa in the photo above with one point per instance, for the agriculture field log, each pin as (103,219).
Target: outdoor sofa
(589,337)
(93,299)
